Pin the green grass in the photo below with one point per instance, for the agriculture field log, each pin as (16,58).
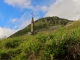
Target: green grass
(43,24)
(61,44)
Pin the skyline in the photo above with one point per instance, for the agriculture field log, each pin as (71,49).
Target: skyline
(16,14)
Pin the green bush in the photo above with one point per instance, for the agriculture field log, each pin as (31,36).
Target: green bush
(12,44)
(36,47)
(4,56)
(44,55)
(42,38)
(14,53)
(28,52)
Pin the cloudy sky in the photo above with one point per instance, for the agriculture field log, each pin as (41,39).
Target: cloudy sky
(16,14)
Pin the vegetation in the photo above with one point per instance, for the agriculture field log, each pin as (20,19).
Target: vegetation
(57,44)
(42,24)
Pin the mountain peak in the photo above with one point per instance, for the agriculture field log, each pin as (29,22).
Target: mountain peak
(42,24)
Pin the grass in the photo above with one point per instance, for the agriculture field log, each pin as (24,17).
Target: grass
(43,24)
(61,44)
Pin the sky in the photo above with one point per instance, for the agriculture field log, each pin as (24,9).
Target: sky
(16,14)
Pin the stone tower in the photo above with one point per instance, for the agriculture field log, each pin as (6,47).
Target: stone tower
(32,24)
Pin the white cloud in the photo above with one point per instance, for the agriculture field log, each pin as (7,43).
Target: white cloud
(27,4)
(13,20)
(27,22)
(18,3)
(69,9)
(44,8)
(23,21)
(6,32)
(24,24)
(37,9)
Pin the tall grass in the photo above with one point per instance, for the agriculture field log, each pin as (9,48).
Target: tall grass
(61,44)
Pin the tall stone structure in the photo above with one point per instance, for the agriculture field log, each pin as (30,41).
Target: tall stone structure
(32,24)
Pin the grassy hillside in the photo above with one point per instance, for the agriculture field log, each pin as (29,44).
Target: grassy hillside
(42,24)
(61,44)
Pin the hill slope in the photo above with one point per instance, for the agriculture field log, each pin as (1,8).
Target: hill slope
(61,44)
(42,24)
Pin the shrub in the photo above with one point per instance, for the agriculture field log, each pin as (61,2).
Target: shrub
(42,38)
(12,44)
(44,55)
(13,53)
(36,47)
(4,56)
(28,52)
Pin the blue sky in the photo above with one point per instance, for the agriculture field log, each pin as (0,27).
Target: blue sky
(9,12)
(16,14)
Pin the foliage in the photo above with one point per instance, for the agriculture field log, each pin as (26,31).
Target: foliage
(60,44)
(42,24)
(12,44)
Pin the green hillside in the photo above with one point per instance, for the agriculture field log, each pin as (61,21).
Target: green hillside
(55,44)
(43,24)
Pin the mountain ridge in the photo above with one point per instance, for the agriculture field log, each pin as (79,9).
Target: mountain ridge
(42,24)
(58,44)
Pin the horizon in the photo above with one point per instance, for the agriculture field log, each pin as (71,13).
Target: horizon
(16,14)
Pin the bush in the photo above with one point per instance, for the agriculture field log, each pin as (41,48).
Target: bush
(44,55)
(14,53)
(4,56)
(12,44)
(42,38)
(28,52)
(10,54)
(36,47)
